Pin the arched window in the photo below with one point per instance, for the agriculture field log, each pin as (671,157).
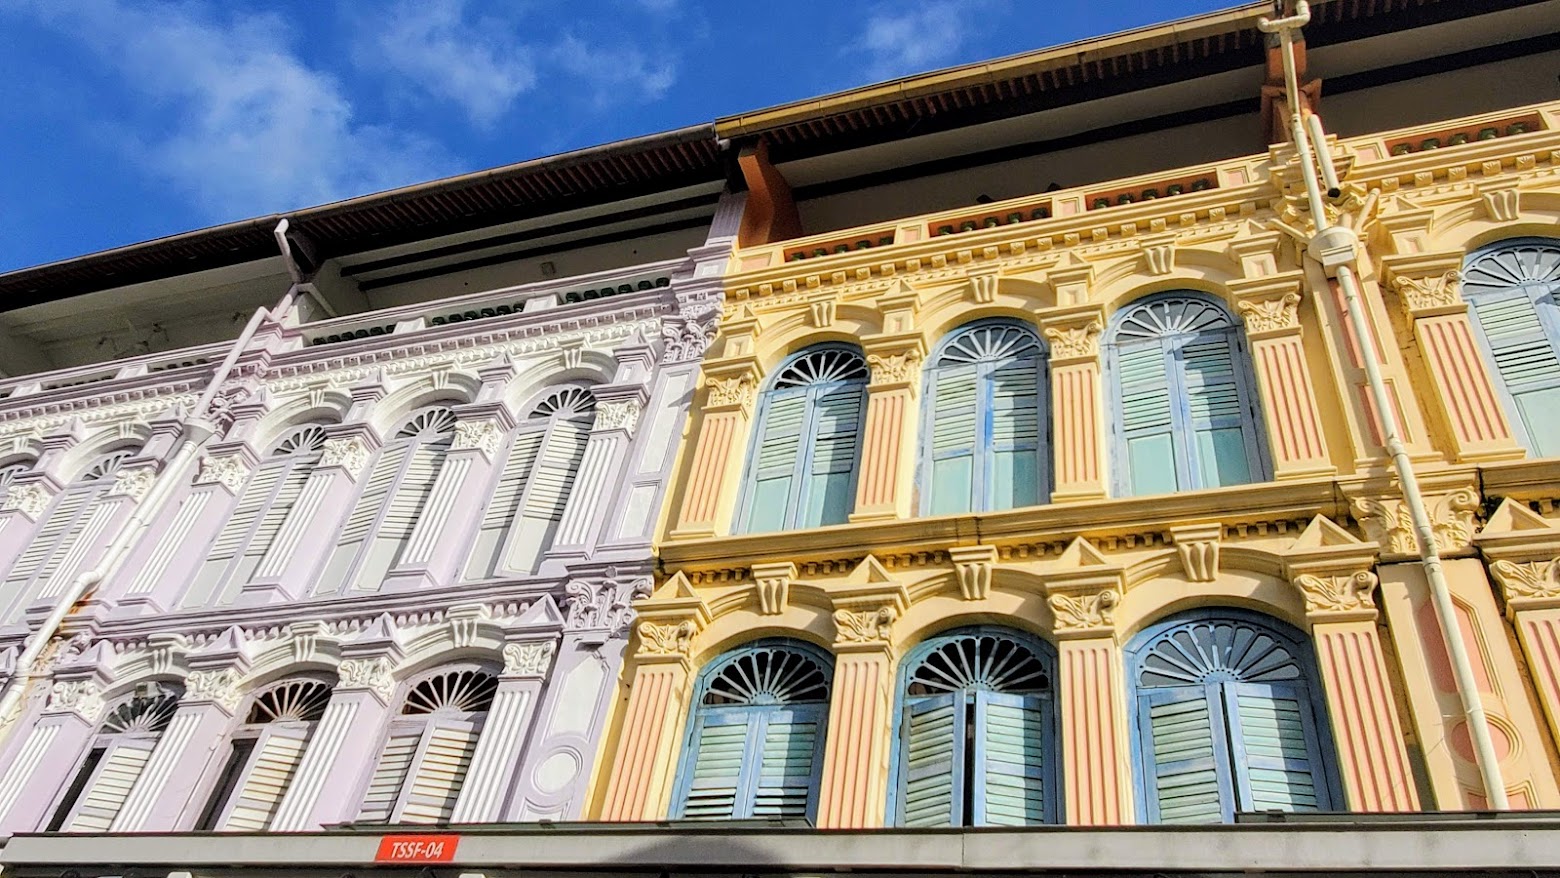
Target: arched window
(533,487)
(1182,396)
(422,766)
(390,502)
(115,760)
(1512,287)
(264,755)
(984,448)
(976,742)
(267,499)
(69,531)
(755,739)
(802,471)
(1229,717)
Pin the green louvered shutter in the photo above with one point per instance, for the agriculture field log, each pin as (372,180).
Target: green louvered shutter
(384,788)
(1277,752)
(790,754)
(779,450)
(932,762)
(1184,738)
(955,390)
(831,489)
(722,741)
(1014,476)
(116,777)
(1526,362)
(1010,769)
(1147,420)
(504,507)
(1216,404)
(440,774)
(270,772)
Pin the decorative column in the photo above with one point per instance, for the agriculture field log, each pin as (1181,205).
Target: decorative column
(854,785)
(1096,778)
(326,786)
(640,780)
(184,752)
(50,752)
(888,447)
(709,486)
(1078,437)
(494,762)
(1270,306)
(1332,571)
(1429,289)
(289,566)
(1523,550)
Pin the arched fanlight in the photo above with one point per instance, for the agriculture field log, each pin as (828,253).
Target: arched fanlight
(307,439)
(292,701)
(567,402)
(148,714)
(1216,651)
(768,675)
(452,691)
(824,366)
(107,465)
(429,424)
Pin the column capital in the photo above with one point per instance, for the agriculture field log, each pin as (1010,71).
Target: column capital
(731,385)
(864,616)
(30,498)
(1338,597)
(82,697)
(670,619)
(1270,306)
(529,659)
(1528,585)
(895,360)
(349,447)
(372,675)
(215,686)
(1427,284)
(230,471)
(1073,333)
(1386,521)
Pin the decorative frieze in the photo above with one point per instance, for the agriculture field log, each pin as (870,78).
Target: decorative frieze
(231,472)
(529,660)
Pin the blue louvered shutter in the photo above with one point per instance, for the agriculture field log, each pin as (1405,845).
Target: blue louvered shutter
(1185,754)
(715,781)
(1277,752)
(779,451)
(786,771)
(932,762)
(831,480)
(1147,419)
(1526,361)
(955,389)
(1010,780)
(1217,409)
(1013,475)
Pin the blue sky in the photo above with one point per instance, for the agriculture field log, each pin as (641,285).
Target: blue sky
(126,120)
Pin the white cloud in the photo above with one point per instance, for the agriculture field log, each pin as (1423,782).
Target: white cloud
(253,128)
(479,64)
(927,35)
(631,71)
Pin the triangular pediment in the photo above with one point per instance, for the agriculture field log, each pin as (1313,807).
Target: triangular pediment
(1322,533)
(1081,553)
(1514,517)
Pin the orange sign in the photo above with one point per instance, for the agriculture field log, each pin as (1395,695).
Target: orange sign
(417,849)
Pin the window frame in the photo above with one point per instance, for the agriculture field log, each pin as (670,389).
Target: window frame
(108,742)
(968,769)
(260,732)
(1222,698)
(1548,313)
(1182,432)
(982,454)
(799,495)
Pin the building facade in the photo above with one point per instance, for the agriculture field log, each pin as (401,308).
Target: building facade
(917,463)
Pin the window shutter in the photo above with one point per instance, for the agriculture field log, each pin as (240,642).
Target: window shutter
(1147,422)
(504,507)
(791,750)
(1276,748)
(270,771)
(384,788)
(721,742)
(1014,474)
(1184,734)
(932,764)
(1010,782)
(774,470)
(1218,415)
(440,773)
(547,494)
(235,533)
(374,494)
(108,791)
(831,489)
(276,514)
(954,418)
(56,527)
(402,511)
(1526,362)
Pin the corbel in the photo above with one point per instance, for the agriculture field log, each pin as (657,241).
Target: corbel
(1198,547)
(973,566)
(772,584)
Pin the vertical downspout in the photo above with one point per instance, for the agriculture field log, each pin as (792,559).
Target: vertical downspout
(1335,247)
(196,430)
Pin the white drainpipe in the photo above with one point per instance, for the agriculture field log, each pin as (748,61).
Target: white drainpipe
(1335,247)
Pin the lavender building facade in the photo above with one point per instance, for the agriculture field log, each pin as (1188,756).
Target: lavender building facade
(374,567)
